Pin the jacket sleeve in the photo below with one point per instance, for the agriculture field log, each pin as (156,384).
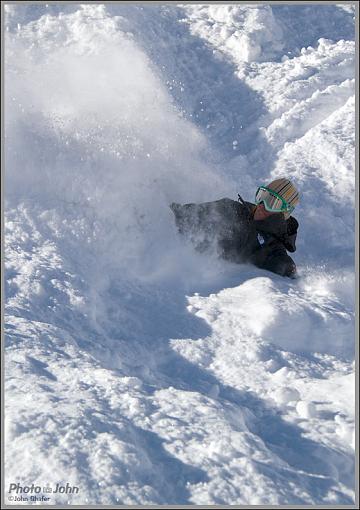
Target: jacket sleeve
(290,238)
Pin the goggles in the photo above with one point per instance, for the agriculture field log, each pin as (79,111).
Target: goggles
(272,201)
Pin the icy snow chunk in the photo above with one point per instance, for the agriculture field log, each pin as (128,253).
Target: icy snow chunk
(345,430)
(306,410)
(325,43)
(282,374)
(272,365)
(286,395)
(245,34)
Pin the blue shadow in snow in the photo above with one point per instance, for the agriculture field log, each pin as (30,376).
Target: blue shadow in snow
(304,25)
(302,461)
(204,86)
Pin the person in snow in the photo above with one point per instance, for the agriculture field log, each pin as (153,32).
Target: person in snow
(260,233)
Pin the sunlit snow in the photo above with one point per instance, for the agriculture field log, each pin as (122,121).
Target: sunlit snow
(137,369)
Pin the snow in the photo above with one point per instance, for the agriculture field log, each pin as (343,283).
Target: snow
(136,369)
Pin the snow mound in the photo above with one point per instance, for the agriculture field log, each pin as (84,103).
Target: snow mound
(247,33)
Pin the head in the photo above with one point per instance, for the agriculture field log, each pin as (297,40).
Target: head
(278,197)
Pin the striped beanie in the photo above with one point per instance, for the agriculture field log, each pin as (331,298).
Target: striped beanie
(286,190)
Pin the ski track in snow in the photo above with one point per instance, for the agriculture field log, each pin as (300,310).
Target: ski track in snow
(136,369)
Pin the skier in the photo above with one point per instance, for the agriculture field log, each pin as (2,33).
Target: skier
(259,233)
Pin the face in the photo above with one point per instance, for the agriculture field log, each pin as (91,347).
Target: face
(261,213)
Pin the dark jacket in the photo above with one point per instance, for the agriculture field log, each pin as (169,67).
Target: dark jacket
(229,226)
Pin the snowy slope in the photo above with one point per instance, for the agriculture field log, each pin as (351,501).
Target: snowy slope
(136,369)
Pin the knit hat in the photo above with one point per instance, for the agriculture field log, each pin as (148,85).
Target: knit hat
(286,190)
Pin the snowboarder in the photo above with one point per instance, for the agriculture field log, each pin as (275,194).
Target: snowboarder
(259,233)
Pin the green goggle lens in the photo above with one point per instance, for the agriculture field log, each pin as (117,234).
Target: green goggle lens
(271,200)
